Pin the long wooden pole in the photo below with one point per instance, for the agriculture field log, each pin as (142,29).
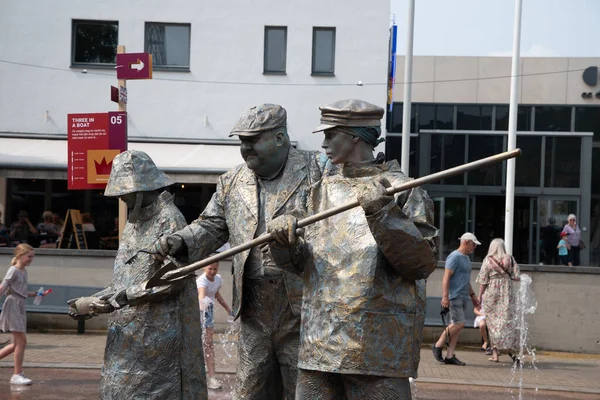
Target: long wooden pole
(164,276)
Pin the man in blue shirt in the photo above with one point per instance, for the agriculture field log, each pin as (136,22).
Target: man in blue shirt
(456,291)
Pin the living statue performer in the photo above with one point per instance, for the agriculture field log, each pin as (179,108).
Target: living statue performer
(274,181)
(363,307)
(154,344)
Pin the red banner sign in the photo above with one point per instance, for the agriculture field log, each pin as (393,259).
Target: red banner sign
(94,140)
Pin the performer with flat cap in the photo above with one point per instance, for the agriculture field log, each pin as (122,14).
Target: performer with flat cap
(274,180)
(364,298)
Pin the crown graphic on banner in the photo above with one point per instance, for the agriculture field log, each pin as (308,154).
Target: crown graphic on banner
(103,168)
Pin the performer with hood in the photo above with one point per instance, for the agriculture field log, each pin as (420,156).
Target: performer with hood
(154,344)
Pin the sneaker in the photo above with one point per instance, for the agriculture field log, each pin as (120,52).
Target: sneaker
(20,379)
(213,383)
(453,361)
(437,353)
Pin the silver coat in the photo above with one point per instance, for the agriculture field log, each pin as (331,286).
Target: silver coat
(364,299)
(232,215)
(154,345)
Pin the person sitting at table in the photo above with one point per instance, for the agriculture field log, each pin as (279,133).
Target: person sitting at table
(86,222)
(4,234)
(58,221)
(22,229)
(47,230)
(111,241)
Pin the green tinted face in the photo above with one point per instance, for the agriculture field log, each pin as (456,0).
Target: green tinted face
(129,199)
(337,145)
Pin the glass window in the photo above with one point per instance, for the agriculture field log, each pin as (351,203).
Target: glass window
(587,119)
(596,171)
(426,116)
(444,117)
(455,213)
(275,49)
(169,45)
(553,119)
(472,117)
(94,42)
(393,151)
(447,151)
(523,118)
(562,165)
(396,118)
(481,146)
(323,52)
(529,165)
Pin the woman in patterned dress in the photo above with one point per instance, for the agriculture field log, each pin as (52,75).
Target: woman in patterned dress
(13,318)
(498,272)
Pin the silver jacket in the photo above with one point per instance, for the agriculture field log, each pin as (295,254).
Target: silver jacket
(232,215)
(154,345)
(364,299)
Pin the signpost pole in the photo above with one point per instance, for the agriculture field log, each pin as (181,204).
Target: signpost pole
(122,107)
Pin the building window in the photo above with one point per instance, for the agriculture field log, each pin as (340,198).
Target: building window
(529,166)
(587,119)
(323,51)
(447,151)
(94,42)
(397,118)
(553,119)
(481,146)
(169,45)
(426,116)
(275,49)
(444,117)
(474,118)
(562,166)
(393,151)
(523,118)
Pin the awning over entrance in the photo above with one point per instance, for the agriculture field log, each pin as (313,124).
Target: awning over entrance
(197,162)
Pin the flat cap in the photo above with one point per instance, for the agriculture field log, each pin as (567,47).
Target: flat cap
(260,119)
(349,113)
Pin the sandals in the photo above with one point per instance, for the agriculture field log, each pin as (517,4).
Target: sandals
(492,359)
(484,346)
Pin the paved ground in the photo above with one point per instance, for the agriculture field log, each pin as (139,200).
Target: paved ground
(68,366)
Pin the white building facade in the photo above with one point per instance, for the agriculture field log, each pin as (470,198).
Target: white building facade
(212,61)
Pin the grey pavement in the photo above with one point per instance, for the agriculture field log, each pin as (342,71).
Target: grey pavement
(558,372)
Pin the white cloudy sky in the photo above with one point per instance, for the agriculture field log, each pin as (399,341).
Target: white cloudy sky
(550,28)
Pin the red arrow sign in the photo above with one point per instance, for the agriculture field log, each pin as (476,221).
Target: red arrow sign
(134,66)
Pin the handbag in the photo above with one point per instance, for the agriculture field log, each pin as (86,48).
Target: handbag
(581,245)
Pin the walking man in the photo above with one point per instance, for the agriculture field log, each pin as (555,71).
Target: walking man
(275,180)
(456,292)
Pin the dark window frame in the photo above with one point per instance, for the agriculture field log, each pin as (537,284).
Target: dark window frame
(314,40)
(266,70)
(167,67)
(74,24)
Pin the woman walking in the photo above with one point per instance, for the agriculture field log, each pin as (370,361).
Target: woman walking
(498,272)
(573,239)
(13,317)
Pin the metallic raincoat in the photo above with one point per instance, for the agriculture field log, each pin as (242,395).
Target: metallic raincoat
(154,345)
(269,309)
(364,299)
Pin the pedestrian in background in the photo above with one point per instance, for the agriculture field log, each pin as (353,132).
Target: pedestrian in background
(208,285)
(14,317)
(456,292)
(573,239)
(563,249)
(498,272)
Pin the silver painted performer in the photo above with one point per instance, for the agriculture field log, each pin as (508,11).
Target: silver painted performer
(154,344)
(364,299)
(273,181)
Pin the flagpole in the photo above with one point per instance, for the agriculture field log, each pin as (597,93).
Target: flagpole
(512,130)
(408,64)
